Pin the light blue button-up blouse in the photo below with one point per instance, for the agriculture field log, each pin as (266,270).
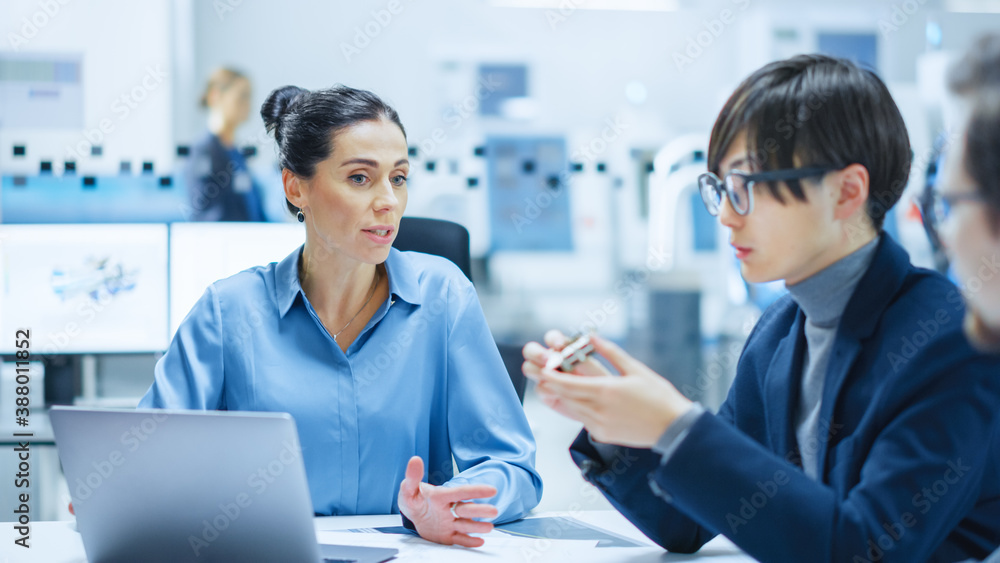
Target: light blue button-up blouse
(423,378)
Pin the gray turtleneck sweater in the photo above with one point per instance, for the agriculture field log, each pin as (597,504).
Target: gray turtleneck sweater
(822,298)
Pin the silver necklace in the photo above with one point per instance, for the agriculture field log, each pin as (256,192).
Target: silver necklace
(370,295)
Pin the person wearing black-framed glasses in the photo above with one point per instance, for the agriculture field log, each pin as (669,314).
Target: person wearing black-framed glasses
(854,395)
(967,215)
(738,186)
(940,204)
(976,71)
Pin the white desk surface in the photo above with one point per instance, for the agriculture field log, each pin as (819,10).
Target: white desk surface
(58,542)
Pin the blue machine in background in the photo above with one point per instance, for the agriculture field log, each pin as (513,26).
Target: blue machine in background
(124,198)
(91,199)
(528,199)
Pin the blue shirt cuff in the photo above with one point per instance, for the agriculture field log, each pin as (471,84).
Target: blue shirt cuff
(674,435)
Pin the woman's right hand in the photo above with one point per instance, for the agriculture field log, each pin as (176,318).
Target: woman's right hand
(445,515)
(536,355)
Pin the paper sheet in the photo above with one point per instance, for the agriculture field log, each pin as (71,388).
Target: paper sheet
(498,547)
(551,527)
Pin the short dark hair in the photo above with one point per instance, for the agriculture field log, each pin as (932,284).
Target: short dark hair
(304,123)
(823,111)
(978,68)
(982,151)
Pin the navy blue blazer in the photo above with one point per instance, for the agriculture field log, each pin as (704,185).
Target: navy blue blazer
(908,454)
(220,187)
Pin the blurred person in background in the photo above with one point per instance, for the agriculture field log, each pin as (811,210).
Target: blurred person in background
(220,187)
(978,68)
(967,214)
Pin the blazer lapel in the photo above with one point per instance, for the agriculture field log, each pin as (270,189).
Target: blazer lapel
(842,357)
(782,387)
(874,292)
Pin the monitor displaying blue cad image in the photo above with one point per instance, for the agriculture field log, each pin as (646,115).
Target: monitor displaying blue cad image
(201,253)
(84,288)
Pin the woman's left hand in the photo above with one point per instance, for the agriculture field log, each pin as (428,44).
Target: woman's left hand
(429,507)
(633,409)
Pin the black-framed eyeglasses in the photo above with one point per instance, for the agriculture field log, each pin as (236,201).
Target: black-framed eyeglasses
(739,185)
(935,206)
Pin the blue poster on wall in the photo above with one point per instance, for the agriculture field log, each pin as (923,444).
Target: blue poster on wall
(862,48)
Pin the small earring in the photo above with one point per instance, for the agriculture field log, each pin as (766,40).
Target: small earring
(300,216)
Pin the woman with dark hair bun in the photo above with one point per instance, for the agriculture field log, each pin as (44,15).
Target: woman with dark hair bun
(220,187)
(383,357)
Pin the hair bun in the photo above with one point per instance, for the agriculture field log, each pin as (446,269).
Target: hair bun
(277,106)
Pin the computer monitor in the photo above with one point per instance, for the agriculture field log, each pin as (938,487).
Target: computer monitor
(201,253)
(84,288)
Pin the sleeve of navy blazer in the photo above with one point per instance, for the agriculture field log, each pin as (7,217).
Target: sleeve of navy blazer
(624,476)
(774,512)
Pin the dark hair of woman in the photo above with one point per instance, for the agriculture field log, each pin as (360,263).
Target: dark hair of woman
(305,123)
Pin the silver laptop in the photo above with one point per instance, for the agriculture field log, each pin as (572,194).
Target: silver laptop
(162,485)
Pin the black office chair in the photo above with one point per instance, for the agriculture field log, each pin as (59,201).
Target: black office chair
(437,237)
(451,240)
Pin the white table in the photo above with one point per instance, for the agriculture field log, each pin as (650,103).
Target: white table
(58,542)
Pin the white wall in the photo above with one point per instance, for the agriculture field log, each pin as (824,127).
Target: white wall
(422,61)
(126,80)
(578,70)
(580,60)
